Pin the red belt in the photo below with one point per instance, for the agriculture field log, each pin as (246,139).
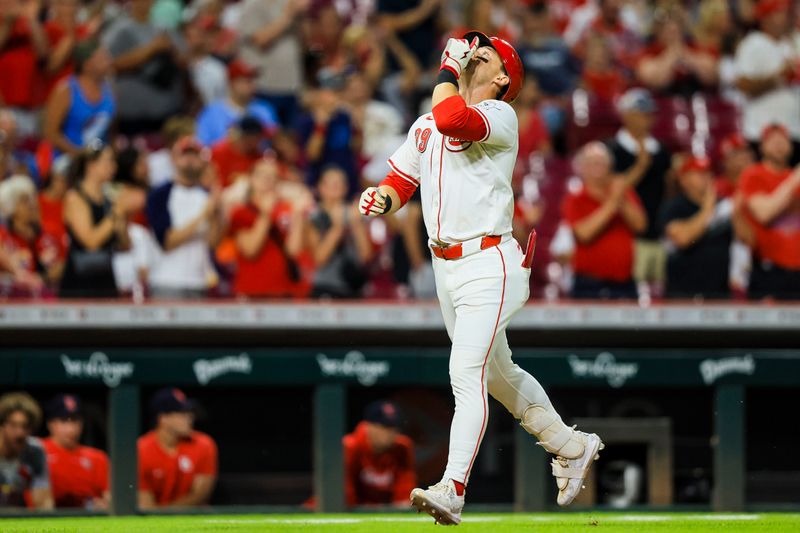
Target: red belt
(455,251)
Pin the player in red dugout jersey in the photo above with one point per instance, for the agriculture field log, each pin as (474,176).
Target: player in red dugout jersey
(379,461)
(177,465)
(78,474)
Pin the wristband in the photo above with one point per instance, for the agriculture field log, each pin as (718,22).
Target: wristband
(446,76)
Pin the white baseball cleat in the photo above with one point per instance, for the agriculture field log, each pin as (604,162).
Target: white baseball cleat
(440,501)
(570,473)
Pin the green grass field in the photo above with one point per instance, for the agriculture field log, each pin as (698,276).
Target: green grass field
(367,523)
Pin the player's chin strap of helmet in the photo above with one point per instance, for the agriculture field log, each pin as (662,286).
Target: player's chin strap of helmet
(554,436)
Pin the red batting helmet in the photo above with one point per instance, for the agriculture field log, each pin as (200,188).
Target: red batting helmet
(511,62)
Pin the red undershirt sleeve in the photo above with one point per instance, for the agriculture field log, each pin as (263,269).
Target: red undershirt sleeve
(455,119)
(404,185)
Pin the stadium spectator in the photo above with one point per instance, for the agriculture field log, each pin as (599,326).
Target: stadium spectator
(12,159)
(78,474)
(736,156)
(771,190)
(81,108)
(713,27)
(96,226)
(160,165)
(23,45)
(24,478)
(605,215)
(378,460)
(338,238)
(534,137)
(766,65)
(487,17)
(414,23)
(606,20)
(237,154)
(215,119)
(269,233)
(132,266)
(412,259)
(697,226)
(601,78)
(64,31)
(177,464)
(363,51)
(326,131)
(409,29)
(185,219)
(637,109)
(324,41)
(271,43)
(545,54)
(148,63)
(378,123)
(51,211)
(672,64)
(21,238)
(208,74)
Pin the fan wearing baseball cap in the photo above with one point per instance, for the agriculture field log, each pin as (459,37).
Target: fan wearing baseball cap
(771,191)
(697,226)
(177,465)
(78,474)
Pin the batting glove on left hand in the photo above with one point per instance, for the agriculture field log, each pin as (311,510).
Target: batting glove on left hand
(373,203)
(457,54)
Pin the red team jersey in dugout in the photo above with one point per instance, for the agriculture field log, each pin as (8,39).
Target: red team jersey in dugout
(170,475)
(76,476)
(377,479)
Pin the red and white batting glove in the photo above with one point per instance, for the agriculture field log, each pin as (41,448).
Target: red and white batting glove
(457,54)
(373,203)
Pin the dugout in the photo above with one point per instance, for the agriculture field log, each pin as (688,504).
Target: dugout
(710,369)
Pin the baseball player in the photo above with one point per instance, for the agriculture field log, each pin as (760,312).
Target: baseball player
(462,156)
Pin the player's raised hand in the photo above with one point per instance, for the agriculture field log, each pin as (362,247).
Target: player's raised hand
(457,54)
(373,203)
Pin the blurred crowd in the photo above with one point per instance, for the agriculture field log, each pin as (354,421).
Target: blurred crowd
(162,149)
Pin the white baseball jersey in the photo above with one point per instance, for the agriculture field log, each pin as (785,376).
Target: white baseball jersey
(465,186)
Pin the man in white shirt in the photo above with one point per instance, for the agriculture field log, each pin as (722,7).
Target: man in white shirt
(186,223)
(765,62)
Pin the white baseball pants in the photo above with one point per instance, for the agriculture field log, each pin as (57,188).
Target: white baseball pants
(478,295)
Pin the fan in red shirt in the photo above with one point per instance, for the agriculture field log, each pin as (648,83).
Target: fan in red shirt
(269,232)
(736,156)
(605,215)
(30,252)
(23,45)
(78,474)
(771,191)
(177,465)
(240,151)
(63,33)
(601,77)
(378,460)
